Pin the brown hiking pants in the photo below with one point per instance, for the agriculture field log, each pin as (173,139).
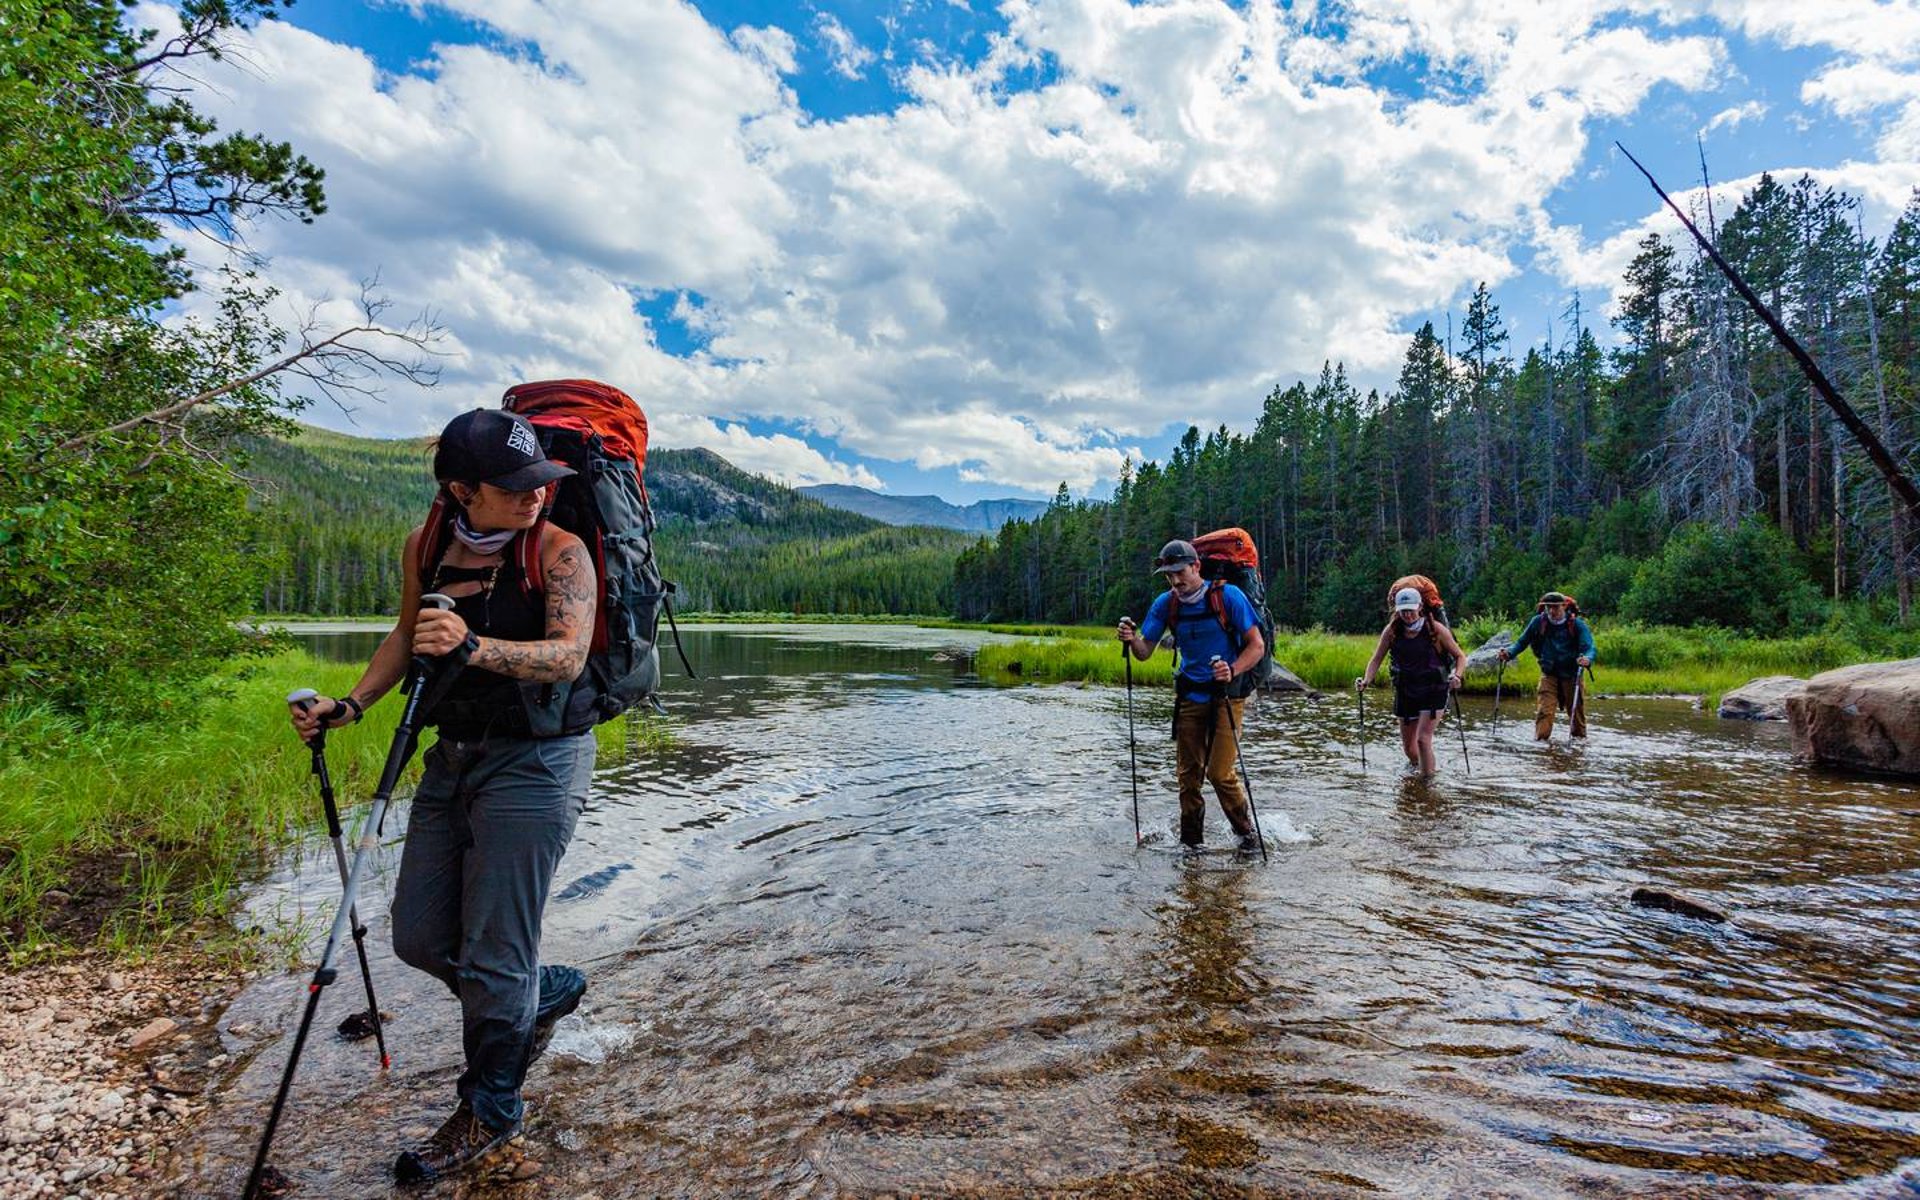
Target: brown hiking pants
(1201,753)
(1555,694)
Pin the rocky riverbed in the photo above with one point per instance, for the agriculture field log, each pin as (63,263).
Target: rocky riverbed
(105,1063)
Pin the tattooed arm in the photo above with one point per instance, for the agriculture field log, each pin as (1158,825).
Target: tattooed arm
(562,654)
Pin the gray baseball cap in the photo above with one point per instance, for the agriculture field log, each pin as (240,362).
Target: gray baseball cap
(1174,555)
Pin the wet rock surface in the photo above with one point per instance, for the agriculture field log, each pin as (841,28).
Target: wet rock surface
(105,1063)
(1865,718)
(1763,699)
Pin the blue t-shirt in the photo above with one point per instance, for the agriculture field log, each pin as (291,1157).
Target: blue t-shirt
(1199,636)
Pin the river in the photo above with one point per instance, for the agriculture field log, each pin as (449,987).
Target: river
(868,929)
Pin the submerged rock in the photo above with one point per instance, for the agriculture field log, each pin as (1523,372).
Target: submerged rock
(588,885)
(1674,903)
(1763,699)
(1865,718)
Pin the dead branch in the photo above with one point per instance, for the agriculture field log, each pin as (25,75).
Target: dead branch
(347,362)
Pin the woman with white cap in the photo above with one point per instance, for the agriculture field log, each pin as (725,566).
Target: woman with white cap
(1420,647)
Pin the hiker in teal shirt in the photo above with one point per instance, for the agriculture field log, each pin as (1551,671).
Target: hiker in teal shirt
(1564,645)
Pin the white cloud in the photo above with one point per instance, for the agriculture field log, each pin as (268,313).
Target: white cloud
(1878,48)
(1739,114)
(1862,88)
(1205,199)
(1880,30)
(850,58)
(778,456)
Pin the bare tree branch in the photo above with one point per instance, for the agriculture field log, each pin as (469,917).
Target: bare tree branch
(347,362)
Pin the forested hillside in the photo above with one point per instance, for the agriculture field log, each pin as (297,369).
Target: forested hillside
(1689,476)
(336,508)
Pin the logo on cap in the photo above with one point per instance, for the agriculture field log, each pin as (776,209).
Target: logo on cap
(520,437)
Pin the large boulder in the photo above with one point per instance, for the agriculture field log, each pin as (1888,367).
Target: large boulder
(1283,680)
(1763,699)
(1487,657)
(1865,717)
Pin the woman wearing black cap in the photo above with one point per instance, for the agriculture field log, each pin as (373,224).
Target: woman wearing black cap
(496,806)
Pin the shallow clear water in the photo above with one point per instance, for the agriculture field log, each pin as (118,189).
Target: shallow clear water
(869,930)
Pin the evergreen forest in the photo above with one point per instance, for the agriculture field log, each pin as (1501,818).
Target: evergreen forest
(1688,476)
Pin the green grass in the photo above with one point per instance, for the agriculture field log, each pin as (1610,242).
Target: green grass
(1633,660)
(154,829)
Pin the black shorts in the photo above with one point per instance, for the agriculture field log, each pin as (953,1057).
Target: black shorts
(1412,703)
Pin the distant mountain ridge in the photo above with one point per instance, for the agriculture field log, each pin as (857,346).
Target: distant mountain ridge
(982,516)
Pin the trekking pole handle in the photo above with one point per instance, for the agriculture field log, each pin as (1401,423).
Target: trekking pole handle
(302,699)
(437,600)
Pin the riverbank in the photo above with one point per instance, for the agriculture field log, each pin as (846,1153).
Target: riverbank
(119,837)
(108,1064)
(1633,660)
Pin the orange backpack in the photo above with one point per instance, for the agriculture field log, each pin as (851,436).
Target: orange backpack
(601,433)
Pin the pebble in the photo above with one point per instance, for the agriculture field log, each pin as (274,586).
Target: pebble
(80,1119)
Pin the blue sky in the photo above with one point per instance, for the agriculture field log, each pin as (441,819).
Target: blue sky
(977,249)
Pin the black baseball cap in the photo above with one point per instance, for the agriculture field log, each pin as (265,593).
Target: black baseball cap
(491,445)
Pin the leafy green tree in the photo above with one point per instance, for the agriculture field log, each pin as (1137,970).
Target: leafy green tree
(1746,578)
(124,533)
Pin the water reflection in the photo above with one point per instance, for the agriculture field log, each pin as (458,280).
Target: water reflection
(862,932)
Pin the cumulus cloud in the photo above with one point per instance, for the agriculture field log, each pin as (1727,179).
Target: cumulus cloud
(1864,88)
(1876,74)
(777,456)
(1015,281)
(850,58)
(1739,114)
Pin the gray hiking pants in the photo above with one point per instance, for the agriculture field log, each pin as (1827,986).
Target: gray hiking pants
(489,823)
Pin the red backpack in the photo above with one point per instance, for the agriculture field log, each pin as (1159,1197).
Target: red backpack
(1229,556)
(601,433)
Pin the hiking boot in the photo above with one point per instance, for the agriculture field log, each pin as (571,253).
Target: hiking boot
(1249,842)
(464,1139)
(560,992)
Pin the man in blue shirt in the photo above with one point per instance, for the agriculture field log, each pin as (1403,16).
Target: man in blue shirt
(1218,635)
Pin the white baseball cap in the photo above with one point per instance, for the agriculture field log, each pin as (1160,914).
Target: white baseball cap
(1406,598)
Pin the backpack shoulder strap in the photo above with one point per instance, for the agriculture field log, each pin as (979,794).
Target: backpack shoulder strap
(527,549)
(435,533)
(1217,604)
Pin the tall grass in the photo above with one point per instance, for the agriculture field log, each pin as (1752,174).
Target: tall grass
(162,824)
(1633,660)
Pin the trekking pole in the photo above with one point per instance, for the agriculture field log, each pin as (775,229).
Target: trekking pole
(423,673)
(303,700)
(1499,678)
(1575,706)
(1133,761)
(1240,762)
(1360,695)
(1455,697)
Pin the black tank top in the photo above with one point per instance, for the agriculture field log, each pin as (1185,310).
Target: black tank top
(482,703)
(1417,660)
